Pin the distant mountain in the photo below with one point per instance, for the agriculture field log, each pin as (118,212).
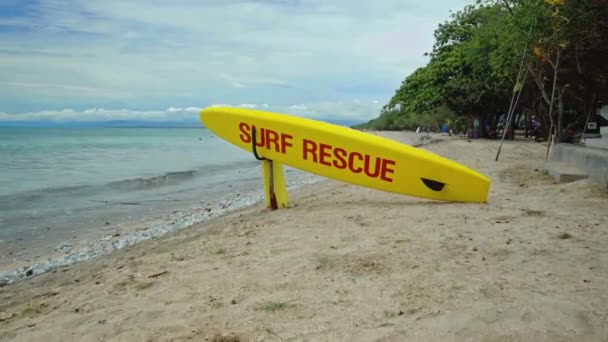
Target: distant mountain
(136,123)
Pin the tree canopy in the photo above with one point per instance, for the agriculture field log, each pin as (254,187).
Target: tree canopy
(551,52)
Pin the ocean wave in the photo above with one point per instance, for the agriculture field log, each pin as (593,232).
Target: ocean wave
(30,199)
(144,183)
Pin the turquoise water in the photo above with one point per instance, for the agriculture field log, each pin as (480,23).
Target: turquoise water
(35,159)
(61,184)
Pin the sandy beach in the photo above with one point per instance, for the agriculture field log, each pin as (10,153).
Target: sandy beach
(347,263)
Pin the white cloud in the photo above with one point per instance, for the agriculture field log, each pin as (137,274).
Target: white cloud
(51,86)
(346,110)
(179,109)
(237,85)
(100,114)
(298,107)
(220,105)
(143,54)
(363,110)
(248,105)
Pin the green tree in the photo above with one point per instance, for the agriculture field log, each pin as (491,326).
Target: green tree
(474,66)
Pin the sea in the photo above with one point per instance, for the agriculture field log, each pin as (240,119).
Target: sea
(70,194)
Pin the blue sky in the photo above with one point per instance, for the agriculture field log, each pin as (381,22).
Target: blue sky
(163,60)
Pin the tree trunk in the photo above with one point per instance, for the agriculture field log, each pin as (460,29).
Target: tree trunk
(545,126)
(560,118)
(551,102)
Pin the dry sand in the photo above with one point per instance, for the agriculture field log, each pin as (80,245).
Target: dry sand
(351,264)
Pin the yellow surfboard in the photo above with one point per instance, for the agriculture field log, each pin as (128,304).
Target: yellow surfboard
(346,154)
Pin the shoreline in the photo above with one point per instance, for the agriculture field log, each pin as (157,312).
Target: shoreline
(131,233)
(128,233)
(350,263)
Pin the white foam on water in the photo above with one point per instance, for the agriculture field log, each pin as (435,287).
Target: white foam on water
(88,250)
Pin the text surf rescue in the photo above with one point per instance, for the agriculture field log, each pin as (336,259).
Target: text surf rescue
(321,153)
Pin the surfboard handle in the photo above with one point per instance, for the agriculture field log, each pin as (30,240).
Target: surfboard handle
(433,184)
(253,145)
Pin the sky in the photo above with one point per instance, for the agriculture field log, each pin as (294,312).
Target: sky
(157,60)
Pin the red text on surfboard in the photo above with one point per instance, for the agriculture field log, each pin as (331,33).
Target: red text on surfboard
(341,159)
(266,138)
(320,153)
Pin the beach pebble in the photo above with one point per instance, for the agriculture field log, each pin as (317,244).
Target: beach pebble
(85,308)
(65,247)
(74,252)
(5,316)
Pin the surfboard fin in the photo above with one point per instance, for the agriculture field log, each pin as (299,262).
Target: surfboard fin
(433,185)
(275,187)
